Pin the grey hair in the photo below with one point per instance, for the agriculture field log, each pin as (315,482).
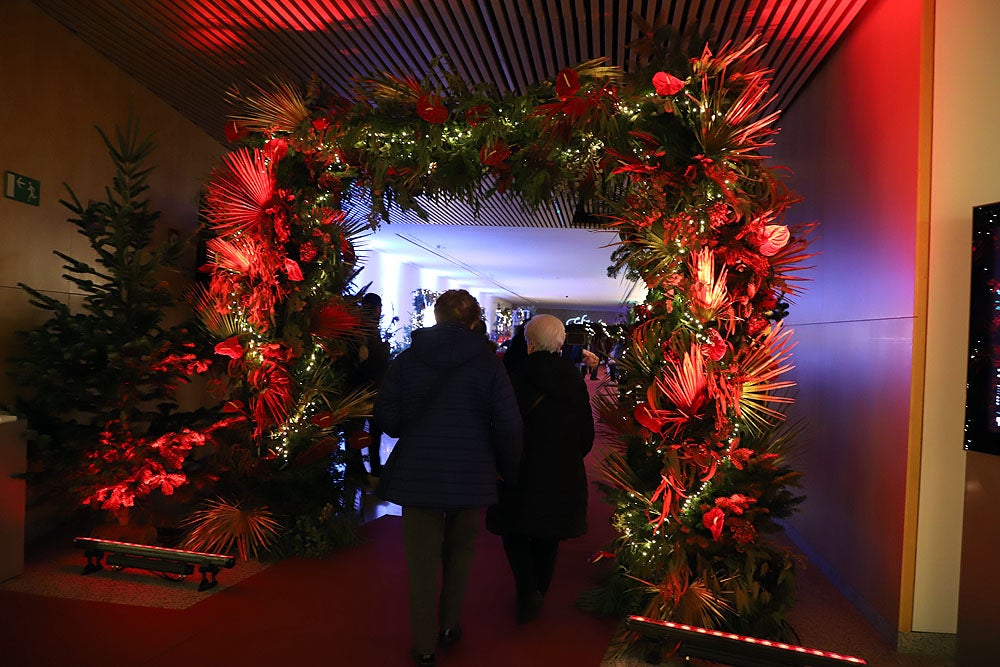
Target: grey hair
(545,333)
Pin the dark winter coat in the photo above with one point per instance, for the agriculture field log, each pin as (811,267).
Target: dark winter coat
(450,452)
(550,498)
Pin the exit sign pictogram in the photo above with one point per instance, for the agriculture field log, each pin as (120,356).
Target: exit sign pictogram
(22,188)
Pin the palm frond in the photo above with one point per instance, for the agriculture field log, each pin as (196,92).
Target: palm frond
(238,195)
(337,319)
(390,88)
(613,413)
(709,294)
(685,384)
(238,255)
(760,363)
(787,263)
(597,69)
(279,107)
(224,526)
(220,325)
(354,404)
(619,474)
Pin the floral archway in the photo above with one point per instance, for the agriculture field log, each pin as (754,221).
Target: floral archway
(698,474)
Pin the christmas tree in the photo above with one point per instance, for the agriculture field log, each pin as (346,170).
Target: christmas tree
(99,381)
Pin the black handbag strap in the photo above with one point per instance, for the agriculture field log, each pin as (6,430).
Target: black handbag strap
(534,405)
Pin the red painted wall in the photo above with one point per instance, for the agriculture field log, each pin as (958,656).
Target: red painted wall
(851,142)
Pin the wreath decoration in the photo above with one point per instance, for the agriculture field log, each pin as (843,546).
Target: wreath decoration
(699,471)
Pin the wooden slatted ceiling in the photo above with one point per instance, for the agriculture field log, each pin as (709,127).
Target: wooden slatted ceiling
(190,52)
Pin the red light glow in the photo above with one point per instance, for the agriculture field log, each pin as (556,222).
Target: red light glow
(264,15)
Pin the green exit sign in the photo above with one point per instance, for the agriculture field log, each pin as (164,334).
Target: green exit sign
(23,189)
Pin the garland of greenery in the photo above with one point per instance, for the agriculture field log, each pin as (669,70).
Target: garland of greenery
(698,472)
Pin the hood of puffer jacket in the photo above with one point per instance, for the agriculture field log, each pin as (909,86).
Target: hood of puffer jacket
(446,345)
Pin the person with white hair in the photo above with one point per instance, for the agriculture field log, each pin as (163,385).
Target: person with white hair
(549,501)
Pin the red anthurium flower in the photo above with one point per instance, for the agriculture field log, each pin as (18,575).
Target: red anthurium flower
(358,440)
(775,238)
(230,348)
(714,519)
(494,153)
(275,149)
(567,83)
(648,418)
(476,115)
(293,270)
(233,406)
(321,124)
(429,108)
(324,419)
(667,84)
(235,131)
(716,347)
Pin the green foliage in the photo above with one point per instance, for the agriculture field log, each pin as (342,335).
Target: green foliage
(316,536)
(107,369)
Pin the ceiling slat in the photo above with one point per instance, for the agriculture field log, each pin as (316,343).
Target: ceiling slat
(191,52)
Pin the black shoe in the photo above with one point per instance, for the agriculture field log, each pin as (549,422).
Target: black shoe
(449,636)
(424,660)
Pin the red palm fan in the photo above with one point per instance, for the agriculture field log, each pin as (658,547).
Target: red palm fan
(709,297)
(273,403)
(235,256)
(240,193)
(336,319)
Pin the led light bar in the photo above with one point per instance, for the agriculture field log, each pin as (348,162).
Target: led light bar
(153,558)
(738,650)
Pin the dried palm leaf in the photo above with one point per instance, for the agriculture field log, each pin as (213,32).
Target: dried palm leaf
(280,107)
(220,325)
(619,474)
(597,69)
(224,526)
(788,261)
(760,363)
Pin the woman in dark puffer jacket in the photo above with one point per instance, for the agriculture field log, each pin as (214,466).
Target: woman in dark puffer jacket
(450,402)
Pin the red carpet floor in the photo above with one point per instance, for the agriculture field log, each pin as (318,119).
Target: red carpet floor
(350,609)
(347,609)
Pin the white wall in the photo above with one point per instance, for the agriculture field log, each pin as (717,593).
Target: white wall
(965,173)
(55,90)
